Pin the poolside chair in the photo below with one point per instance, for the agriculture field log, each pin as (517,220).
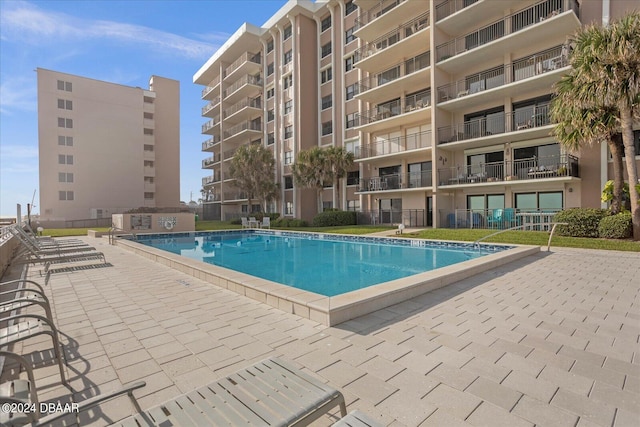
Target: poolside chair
(24,326)
(245,222)
(357,419)
(48,242)
(253,222)
(29,294)
(53,247)
(495,219)
(266,222)
(509,217)
(271,392)
(31,255)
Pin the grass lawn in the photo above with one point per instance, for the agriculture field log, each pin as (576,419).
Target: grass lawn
(538,238)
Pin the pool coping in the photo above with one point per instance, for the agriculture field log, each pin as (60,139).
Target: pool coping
(334,310)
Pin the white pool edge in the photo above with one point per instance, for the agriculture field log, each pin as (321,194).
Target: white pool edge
(329,311)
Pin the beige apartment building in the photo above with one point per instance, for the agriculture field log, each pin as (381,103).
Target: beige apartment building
(445,105)
(106,148)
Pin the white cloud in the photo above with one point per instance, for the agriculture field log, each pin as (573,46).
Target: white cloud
(21,20)
(18,93)
(12,152)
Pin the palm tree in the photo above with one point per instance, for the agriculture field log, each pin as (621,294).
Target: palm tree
(606,77)
(339,161)
(252,167)
(310,171)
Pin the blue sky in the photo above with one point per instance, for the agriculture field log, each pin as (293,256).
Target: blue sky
(122,42)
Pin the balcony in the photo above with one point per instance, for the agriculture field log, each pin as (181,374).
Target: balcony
(384,15)
(400,181)
(247,63)
(526,123)
(409,38)
(210,180)
(234,196)
(394,146)
(401,77)
(211,125)
(209,143)
(539,70)
(235,133)
(449,7)
(229,154)
(243,110)
(209,109)
(563,166)
(209,162)
(242,88)
(210,196)
(209,90)
(398,112)
(547,20)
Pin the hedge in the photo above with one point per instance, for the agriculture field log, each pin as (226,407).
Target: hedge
(289,222)
(582,222)
(334,218)
(616,226)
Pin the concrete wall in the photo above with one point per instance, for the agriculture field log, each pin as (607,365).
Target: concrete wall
(155,222)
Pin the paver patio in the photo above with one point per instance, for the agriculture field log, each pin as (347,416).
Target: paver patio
(550,340)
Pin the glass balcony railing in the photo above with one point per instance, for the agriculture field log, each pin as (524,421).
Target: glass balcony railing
(399,144)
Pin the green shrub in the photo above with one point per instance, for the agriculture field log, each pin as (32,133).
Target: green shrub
(616,226)
(330,218)
(289,222)
(582,222)
(236,221)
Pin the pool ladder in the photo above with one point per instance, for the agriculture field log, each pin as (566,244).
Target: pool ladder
(112,234)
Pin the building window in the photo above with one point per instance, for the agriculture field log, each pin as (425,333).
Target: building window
(326,23)
(327,128)
(287,81)
(287,57)
(288,182)
(148,163)
(287,32)
(65,140)
(270,68)
(147,116)
(270,93)
(65,177)
(65,159)
(271,138)
(148,147)
(148,196)
(65,123)
(66,86)
(326,75)
(270,115)
(327,101)
(349,7)
(542,200)
(148,131)
(288,157)
(348,35)
(353,205)
(353,178)
(348,63)
(288,208)
(288,132)
(352,120)
(288,107)
(352,91)
(326,50)
(270,46)
(65,195)
(65,104)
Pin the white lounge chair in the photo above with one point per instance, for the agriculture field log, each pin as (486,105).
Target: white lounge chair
(245,222)
(266,222)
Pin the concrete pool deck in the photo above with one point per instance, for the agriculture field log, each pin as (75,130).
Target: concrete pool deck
(337,309)
(549,340)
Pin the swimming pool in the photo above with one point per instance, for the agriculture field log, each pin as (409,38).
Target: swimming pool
(328,310)
(319,263)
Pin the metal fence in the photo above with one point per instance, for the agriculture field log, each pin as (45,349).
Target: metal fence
(408,217)
(498,219)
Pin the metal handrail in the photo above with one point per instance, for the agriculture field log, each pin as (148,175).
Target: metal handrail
(476,244)
(112,236)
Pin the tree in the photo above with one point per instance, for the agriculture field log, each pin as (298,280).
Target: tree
(606,77)
(252,166)
(339,161)
(310,171)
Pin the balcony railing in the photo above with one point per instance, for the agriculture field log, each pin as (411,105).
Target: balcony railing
(245,80)
(229,154)
(210,124)
(215,82)
(396,181)
(248,125)
(210,106)
(256,58)
(532,65)
(449,7)
(208,180)
(508,25)
(525,219)
(211,197)
(399,70)
(564,165)
(399,144)
(496,124)
(247,102)
(209,161)
(235,195)
(375,12)
(396,107)
(405,30)
(210,142)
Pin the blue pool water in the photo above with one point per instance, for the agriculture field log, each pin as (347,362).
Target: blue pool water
(324,264)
